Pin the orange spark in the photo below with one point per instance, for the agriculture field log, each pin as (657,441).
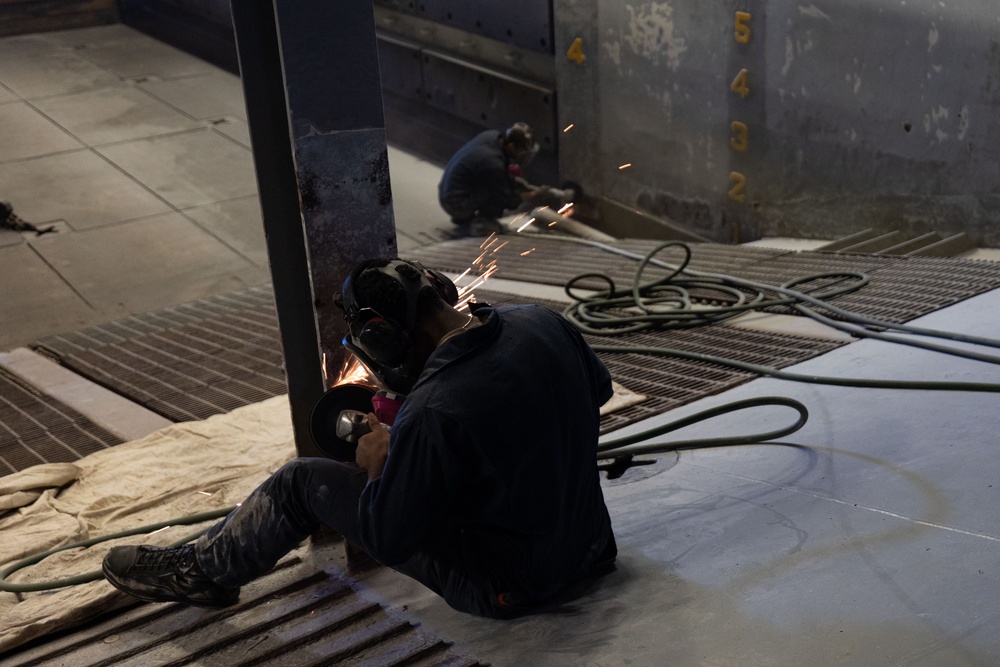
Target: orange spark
(625,166)
(522,227)
(498,247)
(568,127)
(353,372)
(527,252)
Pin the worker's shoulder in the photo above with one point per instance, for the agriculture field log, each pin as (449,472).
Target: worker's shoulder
(532,314)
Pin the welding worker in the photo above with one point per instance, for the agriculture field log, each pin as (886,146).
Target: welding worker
(485,178)
(485,490)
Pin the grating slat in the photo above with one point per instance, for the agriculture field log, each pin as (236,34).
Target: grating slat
(292,616)
(35,428)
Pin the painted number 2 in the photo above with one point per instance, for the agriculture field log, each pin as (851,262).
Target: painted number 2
(737,182)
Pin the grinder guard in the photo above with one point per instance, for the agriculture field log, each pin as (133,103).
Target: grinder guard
(326,412)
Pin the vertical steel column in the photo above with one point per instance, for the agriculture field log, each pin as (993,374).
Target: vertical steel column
(314,107)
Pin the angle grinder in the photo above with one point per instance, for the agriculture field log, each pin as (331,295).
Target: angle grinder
(339,420)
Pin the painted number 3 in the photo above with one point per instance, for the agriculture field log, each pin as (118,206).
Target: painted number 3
(740,139)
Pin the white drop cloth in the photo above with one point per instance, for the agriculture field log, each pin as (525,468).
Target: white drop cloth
(180,470)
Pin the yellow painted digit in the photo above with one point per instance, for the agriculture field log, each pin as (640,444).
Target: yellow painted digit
(740,85)
(737,182)
(575,52)
(740,140)
(742,32)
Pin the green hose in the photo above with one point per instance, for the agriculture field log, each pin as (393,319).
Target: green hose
(667,303)
(94,576)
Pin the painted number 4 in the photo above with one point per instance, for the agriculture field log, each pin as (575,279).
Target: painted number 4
(740,86)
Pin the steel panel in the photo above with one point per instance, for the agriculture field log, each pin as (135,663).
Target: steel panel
(488,98)
(399,64)
(525,23)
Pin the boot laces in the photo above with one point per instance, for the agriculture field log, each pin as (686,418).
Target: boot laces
(179,558)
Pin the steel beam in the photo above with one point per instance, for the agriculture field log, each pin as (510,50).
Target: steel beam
(314,107)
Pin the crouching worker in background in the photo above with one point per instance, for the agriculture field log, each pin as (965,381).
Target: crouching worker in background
(486,490)
(481,183)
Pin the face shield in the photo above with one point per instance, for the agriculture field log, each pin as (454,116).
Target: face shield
(524,156)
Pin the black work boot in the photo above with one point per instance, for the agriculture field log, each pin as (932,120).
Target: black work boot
(165,574)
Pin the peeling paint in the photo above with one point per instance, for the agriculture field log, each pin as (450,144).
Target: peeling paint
(932,121)
(813,11)
(933,37)
(789,56)
(963,122)
(651,34)
(796,48)
(614,51)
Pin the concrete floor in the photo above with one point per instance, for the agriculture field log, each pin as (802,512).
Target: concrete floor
(876,543)
(139,154)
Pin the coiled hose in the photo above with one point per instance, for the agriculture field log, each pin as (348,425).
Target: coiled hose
(667,303)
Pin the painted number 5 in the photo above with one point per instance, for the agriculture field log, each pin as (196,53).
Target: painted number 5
(742,32)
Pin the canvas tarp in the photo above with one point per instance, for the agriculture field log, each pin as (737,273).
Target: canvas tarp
(177,471)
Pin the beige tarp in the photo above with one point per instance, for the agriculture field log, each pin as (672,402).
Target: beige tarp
(177,471)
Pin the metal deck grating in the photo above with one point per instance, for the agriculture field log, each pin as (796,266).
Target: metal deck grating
(36,428)
(187,362)
(211,356)
(292,616)
(900,288)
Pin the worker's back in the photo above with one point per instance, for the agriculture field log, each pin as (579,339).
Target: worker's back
(497,445)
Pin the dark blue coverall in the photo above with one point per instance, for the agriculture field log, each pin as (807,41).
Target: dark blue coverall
(476,181)
(490,494)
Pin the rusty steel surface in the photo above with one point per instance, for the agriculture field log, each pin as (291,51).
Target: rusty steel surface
(36,428)
(295,615)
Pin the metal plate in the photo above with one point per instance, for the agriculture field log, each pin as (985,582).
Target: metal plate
(399,66)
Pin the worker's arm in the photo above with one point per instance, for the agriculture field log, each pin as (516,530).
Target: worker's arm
(414,494)
(373,448)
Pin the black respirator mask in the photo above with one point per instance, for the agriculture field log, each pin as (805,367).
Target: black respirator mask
(384,345)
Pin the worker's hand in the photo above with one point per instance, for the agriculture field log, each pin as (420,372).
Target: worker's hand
(534,194)
(373,448)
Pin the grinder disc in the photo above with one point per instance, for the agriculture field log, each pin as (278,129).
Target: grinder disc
(323,421)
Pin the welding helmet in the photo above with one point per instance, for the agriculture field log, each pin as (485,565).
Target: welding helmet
(384,343)
(522,137)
